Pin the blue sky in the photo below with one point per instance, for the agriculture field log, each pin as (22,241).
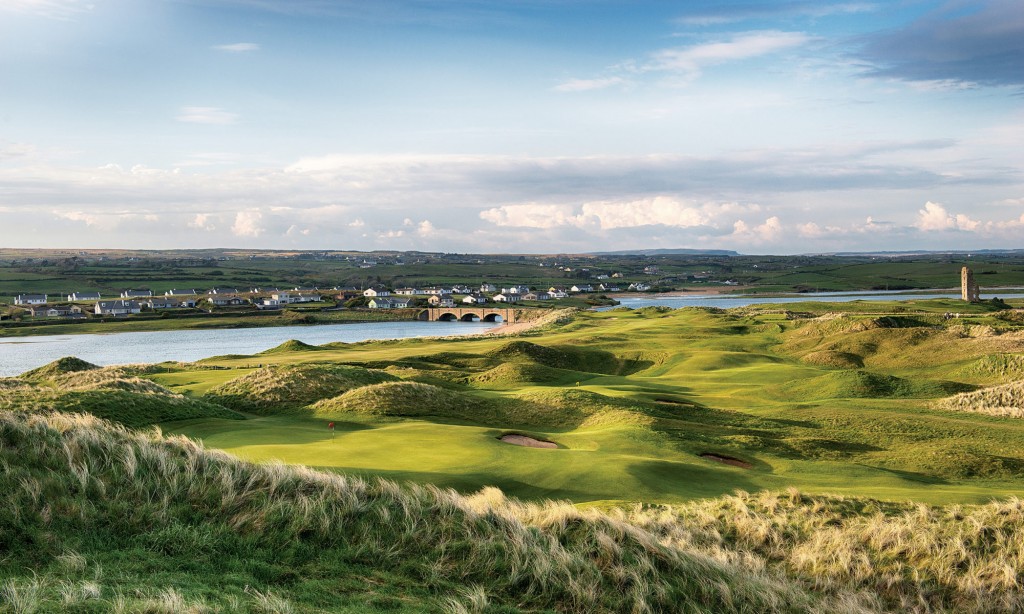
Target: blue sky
(512,126)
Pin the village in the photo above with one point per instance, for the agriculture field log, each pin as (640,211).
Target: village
(81,305)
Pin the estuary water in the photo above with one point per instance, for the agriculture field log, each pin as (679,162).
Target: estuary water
(19,354)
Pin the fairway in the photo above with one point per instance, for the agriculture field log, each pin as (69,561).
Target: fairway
(632,424)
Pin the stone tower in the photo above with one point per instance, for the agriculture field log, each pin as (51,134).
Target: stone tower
(969,290)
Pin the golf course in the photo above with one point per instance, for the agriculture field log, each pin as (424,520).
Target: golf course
(838,403)
(740,441)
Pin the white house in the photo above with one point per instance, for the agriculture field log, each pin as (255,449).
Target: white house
(30,299)
(640,287)
(379,303)
(84,296)
(506,298)
(475,299)
(161,303)
(306,298)
(437,291)
(486,287)
(582,288)
(373,292)
(537,296)
(137,294)
(117,308)
(184,292)
(410,291)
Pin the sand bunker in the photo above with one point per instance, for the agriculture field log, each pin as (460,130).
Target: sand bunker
(727,460)
(529,442)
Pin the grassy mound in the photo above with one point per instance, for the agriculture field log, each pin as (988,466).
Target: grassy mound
(515,374)
(1004,400)
(108,394)
(292,345)
(68,364)
(406,399)
(834,359)
(860,384)
(581,409)
(228,535)
(282,388)
(998,367)
(561,357)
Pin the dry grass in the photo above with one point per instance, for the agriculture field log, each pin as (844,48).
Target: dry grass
(1005,400)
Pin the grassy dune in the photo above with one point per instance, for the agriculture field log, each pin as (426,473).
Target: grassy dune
(178,528)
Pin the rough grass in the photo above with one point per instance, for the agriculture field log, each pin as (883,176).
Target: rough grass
(112,393)
(861,384)
(282,388)
(61,366)
(1004,400)
(223,532)
(834,359)
(229,535)
(406,399)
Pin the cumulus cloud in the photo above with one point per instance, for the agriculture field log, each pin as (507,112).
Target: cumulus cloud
(237,47)
(206,115)
(531,215)
(767,232)
(202,221)
(248,224)
(935,217)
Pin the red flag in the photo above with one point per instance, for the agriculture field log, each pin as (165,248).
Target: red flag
(330,426)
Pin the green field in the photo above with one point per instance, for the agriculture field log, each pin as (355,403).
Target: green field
(633,398)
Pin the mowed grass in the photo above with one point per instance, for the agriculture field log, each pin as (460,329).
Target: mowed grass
(633,398)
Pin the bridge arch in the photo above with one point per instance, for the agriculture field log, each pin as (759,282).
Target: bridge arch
(470,317)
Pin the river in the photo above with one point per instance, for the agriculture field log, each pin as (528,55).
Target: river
(19,354)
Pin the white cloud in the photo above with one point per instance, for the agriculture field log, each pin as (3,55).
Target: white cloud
(612,215)
(248,224)
(54,9)
(237,47)
(531,215)
(690,60)
(768,232)
(583,85)
(425,229)
(202,221)
(935,217)
(206,115)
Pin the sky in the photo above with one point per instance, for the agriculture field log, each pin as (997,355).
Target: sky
(512,126)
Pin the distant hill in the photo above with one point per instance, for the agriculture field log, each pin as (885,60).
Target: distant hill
(668,252)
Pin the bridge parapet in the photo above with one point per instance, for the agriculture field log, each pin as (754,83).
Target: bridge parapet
(485,314)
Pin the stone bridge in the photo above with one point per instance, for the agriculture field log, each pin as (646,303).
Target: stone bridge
(467,314)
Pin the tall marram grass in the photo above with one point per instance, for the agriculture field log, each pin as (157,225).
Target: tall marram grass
(76,483)
(219,534)
(1004,400)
